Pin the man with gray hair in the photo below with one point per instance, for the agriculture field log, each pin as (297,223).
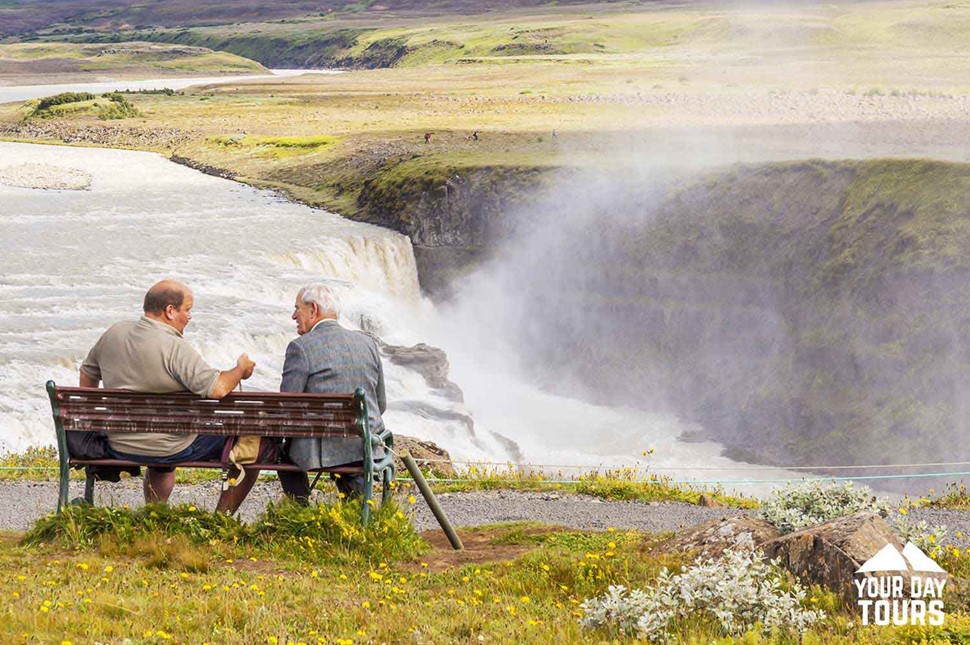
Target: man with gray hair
(327,358)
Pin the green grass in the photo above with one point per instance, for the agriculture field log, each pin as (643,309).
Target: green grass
(108,107)
(275,147)
(40,464)
(618,484)
(119,59)
(179,575)
(319,533)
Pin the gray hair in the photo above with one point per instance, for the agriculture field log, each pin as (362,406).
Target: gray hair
(323,296)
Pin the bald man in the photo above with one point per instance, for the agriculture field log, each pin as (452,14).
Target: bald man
(150,355)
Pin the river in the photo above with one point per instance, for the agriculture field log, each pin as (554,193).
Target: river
(74,261)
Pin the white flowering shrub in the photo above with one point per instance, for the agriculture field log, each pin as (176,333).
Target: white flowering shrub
(798,506)
(736,592)
(927,538)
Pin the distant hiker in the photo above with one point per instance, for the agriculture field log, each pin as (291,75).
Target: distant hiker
(554,134)
(475,135)
(427,137)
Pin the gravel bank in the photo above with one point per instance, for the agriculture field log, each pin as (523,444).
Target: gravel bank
(41,176)
(22,502)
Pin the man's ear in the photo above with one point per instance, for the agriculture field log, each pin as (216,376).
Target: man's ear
(170,312)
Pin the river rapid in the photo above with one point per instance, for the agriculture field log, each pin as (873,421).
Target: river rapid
(72,262)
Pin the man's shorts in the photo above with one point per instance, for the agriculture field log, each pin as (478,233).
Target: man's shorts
(206,447)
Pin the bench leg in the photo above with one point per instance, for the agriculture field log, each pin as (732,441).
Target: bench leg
(387,478)
(62,500)
(89,486)
(368,491)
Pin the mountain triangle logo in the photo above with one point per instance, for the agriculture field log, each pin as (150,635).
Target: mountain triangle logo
(901,588)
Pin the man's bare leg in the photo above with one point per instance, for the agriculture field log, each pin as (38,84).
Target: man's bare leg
(232,497)
(158,486)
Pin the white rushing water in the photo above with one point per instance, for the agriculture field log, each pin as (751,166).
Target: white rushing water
(73,262)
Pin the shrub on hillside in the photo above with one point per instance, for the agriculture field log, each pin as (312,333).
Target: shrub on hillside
(733,594)
(63,99)
(118,107)
(798,506)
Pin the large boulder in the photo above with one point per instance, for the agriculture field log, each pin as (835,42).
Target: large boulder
(431,458)
(829,554)
(712,538)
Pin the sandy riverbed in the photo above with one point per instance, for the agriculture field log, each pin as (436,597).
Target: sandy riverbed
(44,177)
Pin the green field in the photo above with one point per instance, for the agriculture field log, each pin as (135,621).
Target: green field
(30,63)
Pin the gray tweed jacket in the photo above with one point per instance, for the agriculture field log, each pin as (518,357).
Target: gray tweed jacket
(332,360)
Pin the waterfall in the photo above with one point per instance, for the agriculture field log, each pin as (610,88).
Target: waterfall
(73,262)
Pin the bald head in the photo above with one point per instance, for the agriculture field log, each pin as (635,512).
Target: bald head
(164,294)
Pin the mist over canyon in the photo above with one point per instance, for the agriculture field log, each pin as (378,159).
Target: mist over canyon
(800,312)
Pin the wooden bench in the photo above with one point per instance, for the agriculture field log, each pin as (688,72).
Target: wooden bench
(265,414)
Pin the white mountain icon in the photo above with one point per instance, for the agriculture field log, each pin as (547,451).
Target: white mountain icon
(890,559)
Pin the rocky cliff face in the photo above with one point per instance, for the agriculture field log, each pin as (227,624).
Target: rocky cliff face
(455,217)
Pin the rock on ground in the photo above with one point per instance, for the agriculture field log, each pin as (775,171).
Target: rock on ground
(831,553)
(428,455)
(712,538)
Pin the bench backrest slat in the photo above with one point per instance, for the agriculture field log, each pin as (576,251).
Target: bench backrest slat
(250,413)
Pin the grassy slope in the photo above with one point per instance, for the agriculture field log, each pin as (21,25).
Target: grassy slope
(834,43)
(24,17)
(517,75)
(530,584)
(104,574)
(63,61)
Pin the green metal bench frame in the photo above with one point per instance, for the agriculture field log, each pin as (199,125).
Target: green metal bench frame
(268,414)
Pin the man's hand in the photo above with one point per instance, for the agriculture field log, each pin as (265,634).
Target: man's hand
(229,379)
(246,365)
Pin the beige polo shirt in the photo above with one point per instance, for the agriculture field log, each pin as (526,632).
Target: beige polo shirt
(149,356)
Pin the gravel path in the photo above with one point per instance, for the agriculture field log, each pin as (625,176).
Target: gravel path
(23,502)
